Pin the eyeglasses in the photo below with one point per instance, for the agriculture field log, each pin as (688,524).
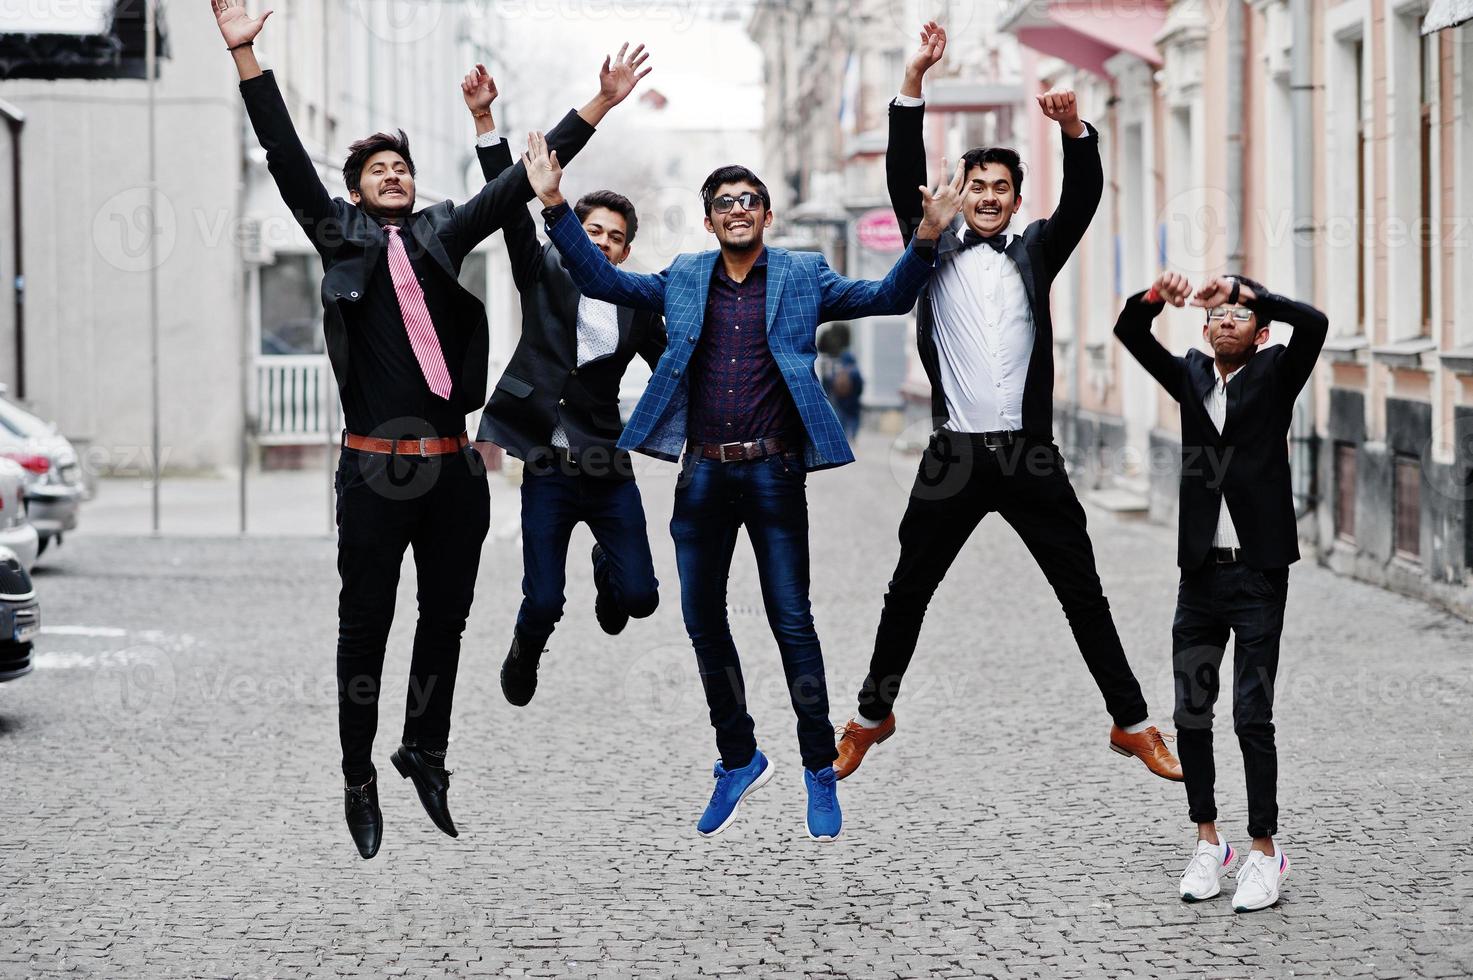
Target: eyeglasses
(747,199)
(1239,313)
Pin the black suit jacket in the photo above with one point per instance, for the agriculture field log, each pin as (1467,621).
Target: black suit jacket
(1039,252)
(543,383)
(1246,464)
(349,240)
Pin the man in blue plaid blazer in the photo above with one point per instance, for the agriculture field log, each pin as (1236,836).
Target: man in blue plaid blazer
(736,392)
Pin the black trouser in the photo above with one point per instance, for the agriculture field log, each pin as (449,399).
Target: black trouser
(1212,600)
(959,482)
(440,507)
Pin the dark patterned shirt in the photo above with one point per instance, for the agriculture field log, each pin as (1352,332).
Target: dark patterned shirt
(737,392)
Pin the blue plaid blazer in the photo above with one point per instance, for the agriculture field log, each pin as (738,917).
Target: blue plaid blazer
(802,292)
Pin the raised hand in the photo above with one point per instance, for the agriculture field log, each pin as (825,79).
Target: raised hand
(1215,292)
(543,171)
(1060,105)
(479,90)
(236,26)
(619,75)
(1173,288)
(941,205)
(933,46)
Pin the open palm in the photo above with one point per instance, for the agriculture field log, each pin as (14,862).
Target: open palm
(236,26)
(620,74)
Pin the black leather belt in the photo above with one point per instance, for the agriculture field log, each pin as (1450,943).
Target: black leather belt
(738,452)
(1001,439)
(1226,556)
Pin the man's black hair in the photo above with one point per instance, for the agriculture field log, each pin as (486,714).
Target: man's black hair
(360,151)
(617,203)
(733,174)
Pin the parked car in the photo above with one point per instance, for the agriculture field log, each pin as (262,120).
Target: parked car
(20,617)
(17,534)
(54,489)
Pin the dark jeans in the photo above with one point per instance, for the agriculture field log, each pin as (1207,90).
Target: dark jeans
(1212,600)
(958,483)
(713,501)
(553,503)
(438,506)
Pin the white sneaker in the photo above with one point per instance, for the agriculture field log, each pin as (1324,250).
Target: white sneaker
(1201,878)
(1258,881)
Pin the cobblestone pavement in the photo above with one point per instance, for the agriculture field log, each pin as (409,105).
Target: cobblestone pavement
(171,804)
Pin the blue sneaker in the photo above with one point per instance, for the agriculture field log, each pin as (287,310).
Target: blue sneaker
(732,786)
(824,817)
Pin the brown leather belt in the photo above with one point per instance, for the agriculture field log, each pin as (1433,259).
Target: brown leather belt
(738,452)
(423,448)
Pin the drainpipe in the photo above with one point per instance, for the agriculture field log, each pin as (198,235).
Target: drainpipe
(16,119)
(1234,136)
(1305,439)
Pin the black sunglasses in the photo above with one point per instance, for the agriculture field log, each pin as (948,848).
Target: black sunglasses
(747,199)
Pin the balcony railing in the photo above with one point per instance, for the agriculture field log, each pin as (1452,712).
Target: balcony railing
(294,400)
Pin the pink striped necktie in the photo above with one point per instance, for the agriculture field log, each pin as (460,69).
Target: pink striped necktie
(417,316)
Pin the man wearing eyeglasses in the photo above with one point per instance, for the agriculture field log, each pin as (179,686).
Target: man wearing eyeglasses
(736,393)
(1237,537)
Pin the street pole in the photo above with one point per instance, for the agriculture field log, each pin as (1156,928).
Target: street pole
(150,62)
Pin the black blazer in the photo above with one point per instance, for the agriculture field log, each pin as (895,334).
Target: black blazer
(349,240)
(1039,252)
(543,383)
(1247,464)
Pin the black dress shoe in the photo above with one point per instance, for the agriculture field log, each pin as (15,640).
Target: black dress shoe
(432,783)
(611,616)
(519,673)
(365,821)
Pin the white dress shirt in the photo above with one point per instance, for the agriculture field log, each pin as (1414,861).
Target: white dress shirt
(984,333)
(598,336)
(1216,404)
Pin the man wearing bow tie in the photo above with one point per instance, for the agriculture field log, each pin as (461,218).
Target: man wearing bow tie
(986,340)
(408,346)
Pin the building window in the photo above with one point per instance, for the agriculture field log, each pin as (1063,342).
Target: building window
(291,305)
(1407,502)
(1345,490)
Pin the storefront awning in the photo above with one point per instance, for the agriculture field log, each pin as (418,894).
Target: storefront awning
(1087,33)
(87,39)
(1447,13)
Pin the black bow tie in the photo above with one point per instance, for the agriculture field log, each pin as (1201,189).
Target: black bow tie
(998,243)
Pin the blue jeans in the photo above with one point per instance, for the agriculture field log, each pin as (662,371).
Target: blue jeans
(555,502)
(713,501)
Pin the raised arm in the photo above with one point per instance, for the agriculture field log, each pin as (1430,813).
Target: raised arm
(1133,328)
(845,299)
(287,160)
(594,274)
(1084,178)
(1299,355)
(905,154)
(488,210)
(494,155)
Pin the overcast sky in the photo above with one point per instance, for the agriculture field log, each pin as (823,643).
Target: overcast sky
(703,62)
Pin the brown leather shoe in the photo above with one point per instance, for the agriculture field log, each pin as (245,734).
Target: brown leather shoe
(1148,746)
(857,740)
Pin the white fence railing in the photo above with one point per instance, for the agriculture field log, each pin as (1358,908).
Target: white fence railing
(294,399)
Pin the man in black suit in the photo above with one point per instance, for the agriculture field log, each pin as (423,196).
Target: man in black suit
(986,340)
(408,346)
(1237,537)
(556,407)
